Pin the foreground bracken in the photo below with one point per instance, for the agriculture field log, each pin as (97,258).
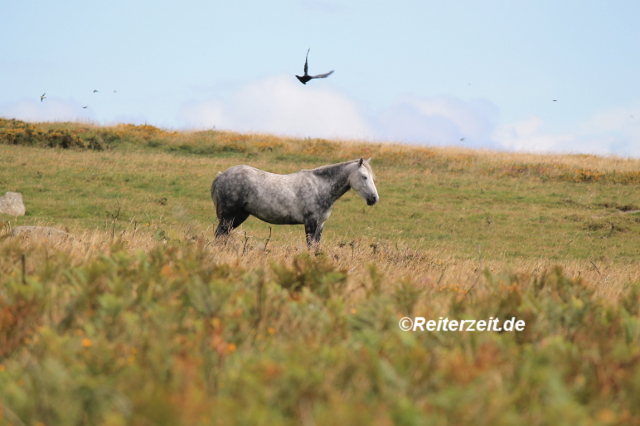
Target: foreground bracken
(99,330)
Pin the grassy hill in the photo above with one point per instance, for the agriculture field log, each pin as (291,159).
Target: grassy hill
(139,317)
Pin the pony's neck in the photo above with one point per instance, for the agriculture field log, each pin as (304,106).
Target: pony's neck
(338,177)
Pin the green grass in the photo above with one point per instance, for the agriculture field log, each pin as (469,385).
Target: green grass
(453,212)
(142,318)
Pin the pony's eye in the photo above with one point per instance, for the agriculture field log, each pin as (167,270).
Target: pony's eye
(364,177)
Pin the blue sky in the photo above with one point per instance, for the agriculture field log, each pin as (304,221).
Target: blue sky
(469,73)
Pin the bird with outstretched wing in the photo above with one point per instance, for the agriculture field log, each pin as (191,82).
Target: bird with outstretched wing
(306,77)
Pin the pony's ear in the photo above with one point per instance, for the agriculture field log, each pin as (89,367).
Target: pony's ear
(369,160)
(361,161)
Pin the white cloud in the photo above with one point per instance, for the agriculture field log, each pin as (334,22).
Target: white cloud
(443,120)
(613,118)
(527,135)
(614,131)
(281,105)
(618,129)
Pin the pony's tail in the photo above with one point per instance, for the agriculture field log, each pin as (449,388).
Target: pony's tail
(214,195)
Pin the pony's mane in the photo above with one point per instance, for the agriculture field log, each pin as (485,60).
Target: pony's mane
(328,168)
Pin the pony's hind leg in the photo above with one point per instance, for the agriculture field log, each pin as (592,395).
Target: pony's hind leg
(229,223)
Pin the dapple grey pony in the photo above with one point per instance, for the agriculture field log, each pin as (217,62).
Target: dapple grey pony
(305,197)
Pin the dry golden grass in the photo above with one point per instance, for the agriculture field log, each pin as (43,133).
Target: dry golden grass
(433,270)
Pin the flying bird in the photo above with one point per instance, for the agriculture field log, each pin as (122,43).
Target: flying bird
(86,106)
(95,91)
(306,77)
(43,97)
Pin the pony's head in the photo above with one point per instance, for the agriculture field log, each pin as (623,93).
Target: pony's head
(361,180)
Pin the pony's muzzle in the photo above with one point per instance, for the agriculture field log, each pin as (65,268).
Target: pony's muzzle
(372,200)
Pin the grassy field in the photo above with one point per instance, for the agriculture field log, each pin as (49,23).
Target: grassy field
(138,317)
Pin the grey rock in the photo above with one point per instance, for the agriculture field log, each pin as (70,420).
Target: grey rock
(11,204)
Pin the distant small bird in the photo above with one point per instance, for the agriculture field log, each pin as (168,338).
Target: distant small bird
(95,91)
(461,139)
(306,77)
(555,100)
(86,106)
(43,97)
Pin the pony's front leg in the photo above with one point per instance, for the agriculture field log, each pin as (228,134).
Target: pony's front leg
(313,231)
(310,229)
